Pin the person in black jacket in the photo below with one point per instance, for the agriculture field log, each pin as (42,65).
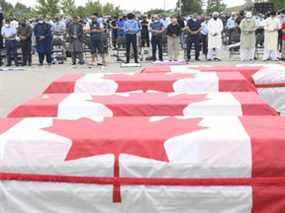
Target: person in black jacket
(193,29)
(173,32)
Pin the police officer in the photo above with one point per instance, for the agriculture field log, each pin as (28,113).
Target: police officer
(156,29)
(131,28)
(193,29)
(9,33)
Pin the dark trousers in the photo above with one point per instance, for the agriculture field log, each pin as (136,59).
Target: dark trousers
(156,42)
(75,55)
(204,42)
(230,35)
(26,46)
(43,55)
(196,41)
(11,48)
(132,40)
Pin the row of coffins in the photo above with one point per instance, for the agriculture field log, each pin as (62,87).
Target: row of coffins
(183,142)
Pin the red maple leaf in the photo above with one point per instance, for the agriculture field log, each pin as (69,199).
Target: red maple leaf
(150,104)
(134,136)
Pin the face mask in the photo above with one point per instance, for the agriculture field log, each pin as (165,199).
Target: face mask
(41,21)
(7,25)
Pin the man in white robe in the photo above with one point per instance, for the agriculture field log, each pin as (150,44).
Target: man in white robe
(215,28)
(271,28)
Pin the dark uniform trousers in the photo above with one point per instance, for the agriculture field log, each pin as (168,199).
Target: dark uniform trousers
(131,39)
(193,40)
(11,48)
(156,43)
(47,55)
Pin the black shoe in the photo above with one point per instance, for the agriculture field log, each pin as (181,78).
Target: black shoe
(197,59)
(217,59)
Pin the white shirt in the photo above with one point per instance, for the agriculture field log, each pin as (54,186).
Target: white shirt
(8,31)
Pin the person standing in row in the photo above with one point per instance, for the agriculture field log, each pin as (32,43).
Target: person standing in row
(25,32)
(215,29)
(145,32)
(131,28)
(9,33)
(247,38)
(96,29)
(271,28)
(75,35)
(156,29)
(204,36)
(43,34)
(193,30)
(173,32)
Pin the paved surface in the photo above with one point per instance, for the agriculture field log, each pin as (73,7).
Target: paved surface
(19,86)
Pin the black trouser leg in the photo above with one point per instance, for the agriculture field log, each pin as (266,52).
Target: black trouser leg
(135,47)
(9,52)
(49,58)
(197,47)
(24,52)
(41,58)
(153,44)
(189,47)
(128,46)
(160,52)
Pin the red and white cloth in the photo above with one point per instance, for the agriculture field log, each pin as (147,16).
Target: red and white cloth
(270,78)
(167,82)
(275,97)
(78,105)
(270,85)
(139,164)
(245,69)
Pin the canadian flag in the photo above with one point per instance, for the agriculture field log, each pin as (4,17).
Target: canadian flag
(248,70)
(154,164)
(151,103)
(168,82)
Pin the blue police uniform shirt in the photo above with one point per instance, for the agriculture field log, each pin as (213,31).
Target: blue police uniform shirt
(96,25)
(156,25)
(131,27)
(194,25)
(121,24)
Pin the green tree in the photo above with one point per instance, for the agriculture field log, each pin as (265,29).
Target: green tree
(215,7)
(48,8)
(68,7)
(80,11)
(190,6)
(93,7)
(22,11)
(7,8)
(278,4)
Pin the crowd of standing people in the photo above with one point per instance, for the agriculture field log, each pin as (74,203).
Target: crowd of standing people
(205,35)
